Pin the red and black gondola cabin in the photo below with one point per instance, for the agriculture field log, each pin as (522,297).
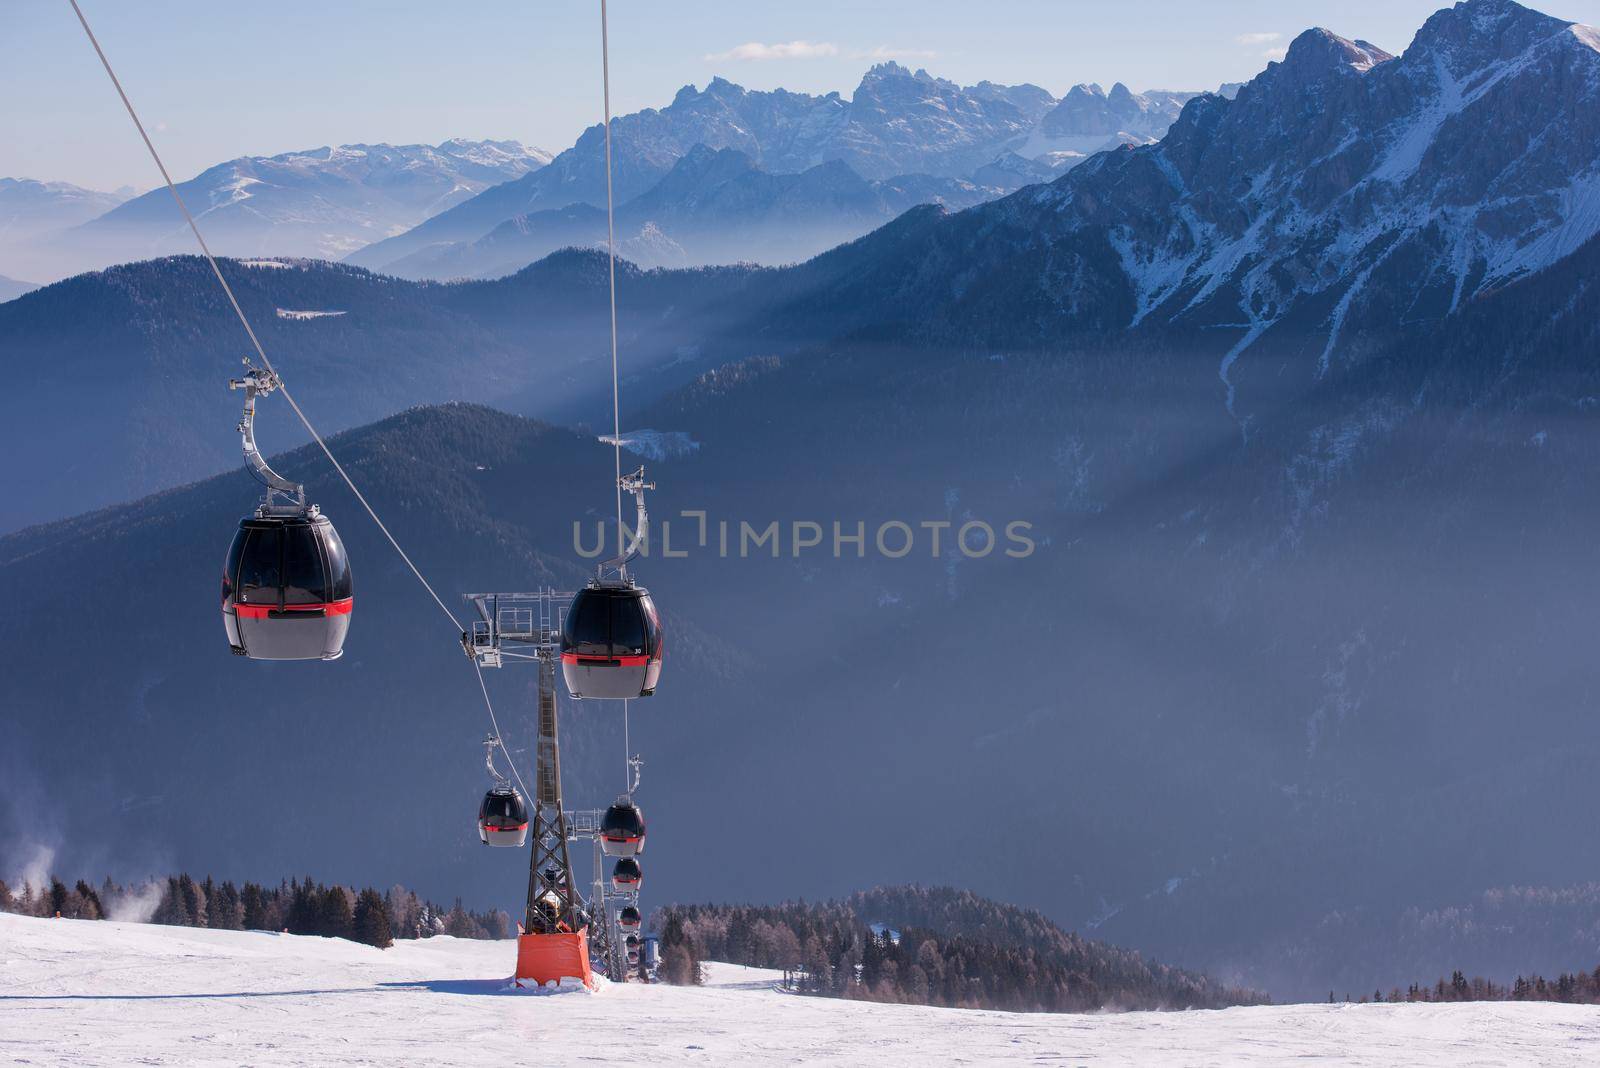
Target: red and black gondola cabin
(622,829)
(627,875)
(612,642)
(503,818)
(287,592)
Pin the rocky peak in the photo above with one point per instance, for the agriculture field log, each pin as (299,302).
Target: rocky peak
(1473,34)
(1316,52)
(882,72)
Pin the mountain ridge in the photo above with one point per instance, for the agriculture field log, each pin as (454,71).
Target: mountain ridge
(321,202)
(897,122)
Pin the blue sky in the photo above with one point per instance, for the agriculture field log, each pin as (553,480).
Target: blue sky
(220,79)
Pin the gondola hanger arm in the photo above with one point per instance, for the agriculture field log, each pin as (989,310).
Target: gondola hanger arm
(635,484)
(259,383)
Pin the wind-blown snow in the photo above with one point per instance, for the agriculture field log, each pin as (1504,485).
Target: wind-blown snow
(77,992)
(656,444)
(301,316)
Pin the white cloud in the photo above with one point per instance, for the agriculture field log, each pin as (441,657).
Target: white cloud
(883,52)
(1275,53)
(1257,38)
(755,50)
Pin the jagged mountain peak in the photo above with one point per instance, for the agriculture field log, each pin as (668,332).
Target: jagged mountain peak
(1475,33)
(886,69)
(1319,50)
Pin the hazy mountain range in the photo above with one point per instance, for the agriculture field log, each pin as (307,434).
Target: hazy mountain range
(713,206)
(322,202)
(1297,402)
(906,128)
(902,138)
(32,211)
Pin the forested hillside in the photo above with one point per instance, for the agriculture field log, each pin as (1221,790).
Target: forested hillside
(937,946)
(294,906)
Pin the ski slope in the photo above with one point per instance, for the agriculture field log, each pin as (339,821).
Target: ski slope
(84,993)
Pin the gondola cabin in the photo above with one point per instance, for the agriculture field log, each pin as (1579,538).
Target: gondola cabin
(286,589)
(611,642)
(629,919)
(503,818)
(622,829)
(627,875)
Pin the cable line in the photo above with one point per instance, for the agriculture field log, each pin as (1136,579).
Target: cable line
(244,320)
(611,253)
(267,363)
(484,686)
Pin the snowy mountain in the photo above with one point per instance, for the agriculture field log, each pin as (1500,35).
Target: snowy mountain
(322,202)
(134,989)
(1341,189)
(31,210)
(1090,120)
(897,122)
(714,206)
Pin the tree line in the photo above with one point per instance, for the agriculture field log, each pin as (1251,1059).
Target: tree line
(1577,988)
(294,906)
(959,950)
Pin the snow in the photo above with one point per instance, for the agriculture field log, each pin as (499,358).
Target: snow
(301,316)
(656,444)
(83,993)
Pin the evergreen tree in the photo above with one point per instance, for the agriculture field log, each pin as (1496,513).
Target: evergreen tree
(303,909)
(193,899)
(372,920)
(60,902)
(254,908)
(335,918)
(170,909)
(89,908)
(225,910)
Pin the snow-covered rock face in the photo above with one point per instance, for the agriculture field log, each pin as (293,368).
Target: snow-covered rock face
(1088,110)
(1346,183)
(900,126)
(901,123)
(897,122)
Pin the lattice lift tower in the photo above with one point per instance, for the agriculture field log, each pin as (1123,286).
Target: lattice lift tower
(555,944)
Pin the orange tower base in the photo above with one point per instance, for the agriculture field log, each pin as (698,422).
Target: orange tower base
(550,958)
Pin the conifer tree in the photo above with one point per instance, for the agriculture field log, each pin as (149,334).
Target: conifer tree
(335,918)
(372,920)
(254,902)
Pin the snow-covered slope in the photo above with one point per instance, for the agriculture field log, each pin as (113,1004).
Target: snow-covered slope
(322,202)
(1341,191)
(76,992)
(1347,184)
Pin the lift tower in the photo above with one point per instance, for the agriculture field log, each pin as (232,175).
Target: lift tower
(523,628)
